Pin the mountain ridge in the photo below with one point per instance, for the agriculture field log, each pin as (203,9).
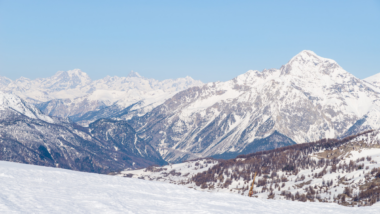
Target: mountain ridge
(28,136)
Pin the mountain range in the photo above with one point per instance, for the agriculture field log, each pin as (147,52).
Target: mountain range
(73,93)
(307,99)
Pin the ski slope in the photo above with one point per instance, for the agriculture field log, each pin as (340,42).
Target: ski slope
(36,189)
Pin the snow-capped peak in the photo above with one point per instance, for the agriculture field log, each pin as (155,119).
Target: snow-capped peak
(310,58)
(72,74)
(307,62)
(77,72)
(67,79)
(306,54)
(134,74)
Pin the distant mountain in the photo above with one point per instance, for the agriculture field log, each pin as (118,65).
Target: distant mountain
(374,80)
(28,136)
(73,93)
(307,99)
(134,74)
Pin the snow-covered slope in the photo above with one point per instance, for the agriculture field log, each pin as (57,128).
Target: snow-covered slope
(35,189)
(12,103)
(375,79)
(307,99)
(69,93)
(345,172)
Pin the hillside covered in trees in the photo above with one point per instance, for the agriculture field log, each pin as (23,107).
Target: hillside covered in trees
(344,171)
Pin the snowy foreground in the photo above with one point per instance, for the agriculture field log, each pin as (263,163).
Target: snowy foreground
(36,189)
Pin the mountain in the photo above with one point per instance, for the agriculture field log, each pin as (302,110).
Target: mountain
(63,85)
(28,136)
(307,99)
(346,172)
(73,93)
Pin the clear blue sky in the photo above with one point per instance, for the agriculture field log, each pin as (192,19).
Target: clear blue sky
(207,40)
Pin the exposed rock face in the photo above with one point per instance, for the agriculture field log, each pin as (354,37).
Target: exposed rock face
(28,136)
(273,141)
(307,99)
(123,138)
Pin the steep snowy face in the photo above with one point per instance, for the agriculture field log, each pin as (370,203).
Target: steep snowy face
(307,99)
(73,93)
(12,103)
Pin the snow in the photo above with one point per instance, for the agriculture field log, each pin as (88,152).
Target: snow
(14,103)
(357,148)
(308,98)
(36,189)
(374,79)
(76,88)
(204,103)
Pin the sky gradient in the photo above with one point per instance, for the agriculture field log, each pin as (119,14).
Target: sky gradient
(207,40)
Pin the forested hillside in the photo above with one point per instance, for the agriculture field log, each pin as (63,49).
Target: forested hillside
(345,171)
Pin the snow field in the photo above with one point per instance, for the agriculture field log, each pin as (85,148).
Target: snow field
(36,189)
